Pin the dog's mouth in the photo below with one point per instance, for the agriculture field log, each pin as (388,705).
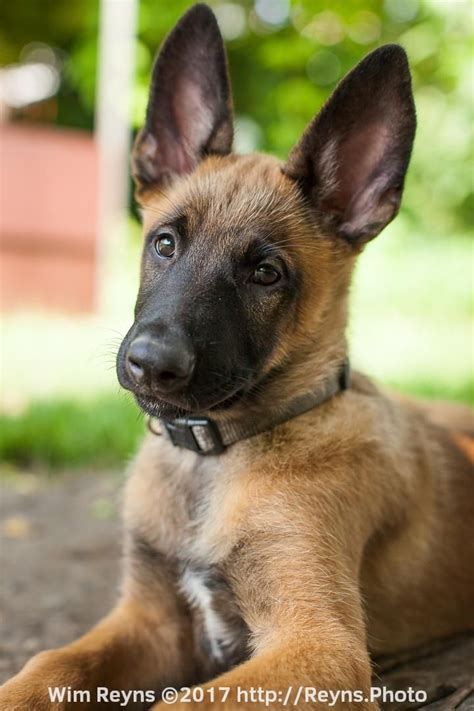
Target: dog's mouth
(158,407)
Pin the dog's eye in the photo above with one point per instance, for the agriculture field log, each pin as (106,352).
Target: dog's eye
(165,245)
(266,275)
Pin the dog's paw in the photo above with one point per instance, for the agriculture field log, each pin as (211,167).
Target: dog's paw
(41,685)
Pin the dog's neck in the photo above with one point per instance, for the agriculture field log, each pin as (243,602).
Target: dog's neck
(205,436)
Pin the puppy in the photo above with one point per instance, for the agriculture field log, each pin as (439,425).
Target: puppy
(286,519)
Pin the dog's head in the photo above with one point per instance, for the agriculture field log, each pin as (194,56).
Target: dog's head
(247,261)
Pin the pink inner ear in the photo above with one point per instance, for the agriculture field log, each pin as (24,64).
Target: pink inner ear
(193,119)
(357,159)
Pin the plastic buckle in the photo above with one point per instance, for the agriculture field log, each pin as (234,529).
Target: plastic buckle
(195,433)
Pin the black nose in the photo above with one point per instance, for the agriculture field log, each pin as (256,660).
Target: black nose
(162,364)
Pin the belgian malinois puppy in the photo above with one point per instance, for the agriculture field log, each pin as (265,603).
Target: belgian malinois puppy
(291,519)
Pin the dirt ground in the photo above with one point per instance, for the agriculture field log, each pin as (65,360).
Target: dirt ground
(59,559)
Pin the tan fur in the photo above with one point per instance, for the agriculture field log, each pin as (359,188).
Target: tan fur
(345,531)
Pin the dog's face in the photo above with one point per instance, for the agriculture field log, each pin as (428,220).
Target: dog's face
(246,258)
(219,284)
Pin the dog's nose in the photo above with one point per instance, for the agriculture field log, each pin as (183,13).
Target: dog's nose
(163,364)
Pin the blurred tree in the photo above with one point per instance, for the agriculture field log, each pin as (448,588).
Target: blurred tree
(69,29)
(285,59)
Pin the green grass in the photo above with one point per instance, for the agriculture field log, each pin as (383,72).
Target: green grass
(412,309)
(461,391)
(101,432)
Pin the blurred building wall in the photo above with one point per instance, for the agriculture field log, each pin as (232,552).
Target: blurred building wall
(48,218)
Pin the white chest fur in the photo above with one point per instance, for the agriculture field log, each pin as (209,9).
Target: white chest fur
(220,634)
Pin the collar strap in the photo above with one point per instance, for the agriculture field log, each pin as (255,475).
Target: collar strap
(206,436)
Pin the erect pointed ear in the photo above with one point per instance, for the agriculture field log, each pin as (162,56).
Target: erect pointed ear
(189,112)
(352,158)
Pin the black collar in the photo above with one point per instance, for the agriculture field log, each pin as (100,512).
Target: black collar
(205,436)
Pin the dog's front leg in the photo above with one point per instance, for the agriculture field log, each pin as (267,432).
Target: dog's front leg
(143,644)
(296,577)
(309,638)
(321,669)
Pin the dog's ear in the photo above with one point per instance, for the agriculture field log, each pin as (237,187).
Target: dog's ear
(189,112)
(352,158)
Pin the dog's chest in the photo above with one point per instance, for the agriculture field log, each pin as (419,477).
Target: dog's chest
(221,634)
(190,525)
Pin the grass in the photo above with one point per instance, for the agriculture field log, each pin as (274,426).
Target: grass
(102,432)
(412,309)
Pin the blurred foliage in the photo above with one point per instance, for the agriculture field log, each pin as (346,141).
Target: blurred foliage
(70,28)
(285,59)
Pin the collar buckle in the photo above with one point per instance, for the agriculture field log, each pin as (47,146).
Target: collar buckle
(199,434)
